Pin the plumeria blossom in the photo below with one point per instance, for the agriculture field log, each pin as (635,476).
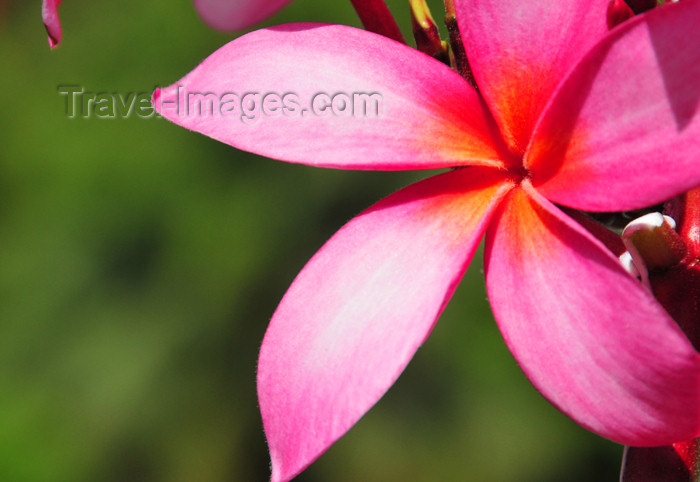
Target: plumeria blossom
(566,113)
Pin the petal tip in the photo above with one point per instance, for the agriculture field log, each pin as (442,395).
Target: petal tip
(49,15)
(281,472)
(155,100)
(53,42)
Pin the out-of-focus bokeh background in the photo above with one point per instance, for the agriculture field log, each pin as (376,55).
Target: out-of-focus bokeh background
(140,264)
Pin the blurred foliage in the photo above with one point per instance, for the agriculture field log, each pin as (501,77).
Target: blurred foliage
(140,264)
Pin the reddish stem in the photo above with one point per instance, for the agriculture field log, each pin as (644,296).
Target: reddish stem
(377,18)
(678,289)
(457,44)
(690,223)
(426,33)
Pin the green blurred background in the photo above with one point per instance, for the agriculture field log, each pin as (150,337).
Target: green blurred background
(140,264)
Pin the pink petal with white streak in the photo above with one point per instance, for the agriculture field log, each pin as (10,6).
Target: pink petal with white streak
(362,306)
(429,117)
(589,336)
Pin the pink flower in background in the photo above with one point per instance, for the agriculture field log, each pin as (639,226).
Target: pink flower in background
(225,15)
(231,15)
(566,113)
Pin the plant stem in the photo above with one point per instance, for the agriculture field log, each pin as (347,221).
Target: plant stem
(457,45)
(377,18)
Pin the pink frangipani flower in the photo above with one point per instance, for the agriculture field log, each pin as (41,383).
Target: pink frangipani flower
(567,113)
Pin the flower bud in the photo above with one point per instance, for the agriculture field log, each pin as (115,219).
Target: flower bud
(426,33)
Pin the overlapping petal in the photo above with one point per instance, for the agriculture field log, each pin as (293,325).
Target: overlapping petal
(623,130)
(588,336)
(427,116)
(49,15)
(521,50)
(358,311)
(231,15)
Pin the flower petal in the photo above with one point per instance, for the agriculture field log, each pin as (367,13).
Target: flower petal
(587,335)
(520,50)
(428,115)
(231,15)
(623,130)
(49,15)
(362,306)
